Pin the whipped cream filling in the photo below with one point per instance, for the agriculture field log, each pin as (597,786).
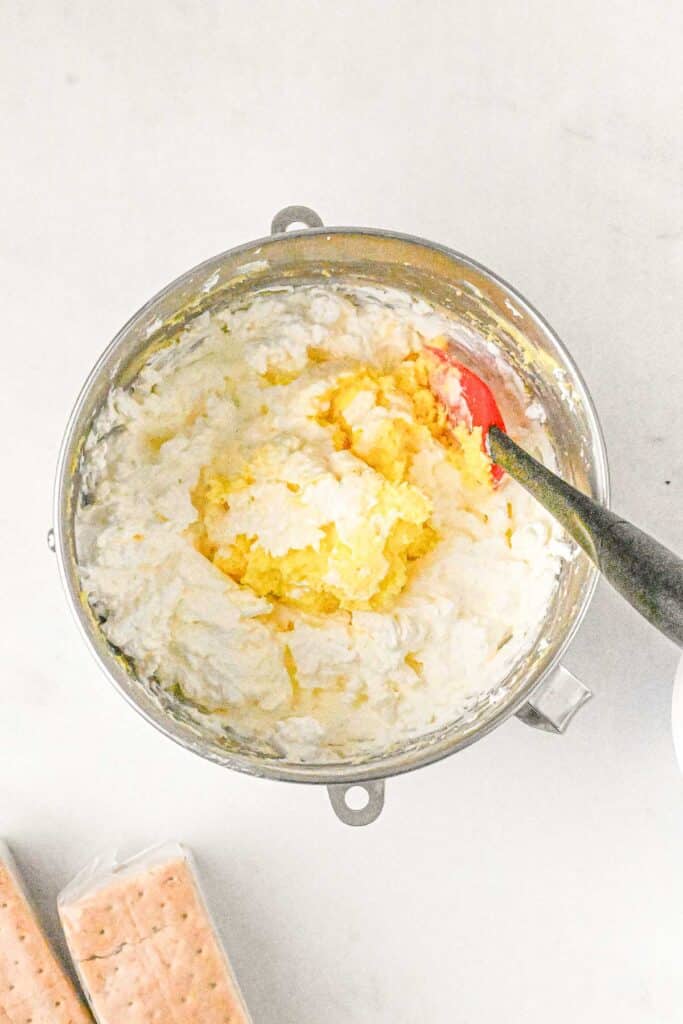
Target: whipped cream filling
(269,534)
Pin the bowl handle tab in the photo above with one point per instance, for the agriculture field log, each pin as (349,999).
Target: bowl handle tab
(284,219)
(338,795)
(554,703)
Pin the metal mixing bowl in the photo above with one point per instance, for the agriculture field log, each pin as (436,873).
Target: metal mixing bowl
(538,689)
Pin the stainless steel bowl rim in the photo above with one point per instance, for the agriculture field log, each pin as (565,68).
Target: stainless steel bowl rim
(343,774)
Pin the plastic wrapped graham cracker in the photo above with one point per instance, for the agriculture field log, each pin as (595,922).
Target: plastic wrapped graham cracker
(33,986)
(144,945)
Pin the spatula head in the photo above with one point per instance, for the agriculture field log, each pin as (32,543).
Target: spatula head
(465,396)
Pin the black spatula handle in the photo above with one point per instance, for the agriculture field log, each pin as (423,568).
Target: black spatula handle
(646,573)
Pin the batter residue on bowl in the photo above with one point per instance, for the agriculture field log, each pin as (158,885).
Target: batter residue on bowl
(279,528)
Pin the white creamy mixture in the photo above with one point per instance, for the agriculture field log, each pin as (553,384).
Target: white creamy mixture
(277,529)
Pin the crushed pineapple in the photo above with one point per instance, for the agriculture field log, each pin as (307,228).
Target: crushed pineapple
(275,376)
(333,576)
(413,662)
(367,570)
(393,444)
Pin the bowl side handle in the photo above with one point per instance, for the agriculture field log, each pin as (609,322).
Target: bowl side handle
(554,703)
(283,219)
(374,790)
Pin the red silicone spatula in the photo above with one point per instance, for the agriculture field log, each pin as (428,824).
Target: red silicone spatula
(466,397)
(646,573)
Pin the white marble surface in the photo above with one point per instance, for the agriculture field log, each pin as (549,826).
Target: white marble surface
(531,877)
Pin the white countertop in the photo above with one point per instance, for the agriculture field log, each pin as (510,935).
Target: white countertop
(532,877)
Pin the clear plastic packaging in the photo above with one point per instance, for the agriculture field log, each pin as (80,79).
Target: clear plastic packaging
(144,945)
(33,985)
